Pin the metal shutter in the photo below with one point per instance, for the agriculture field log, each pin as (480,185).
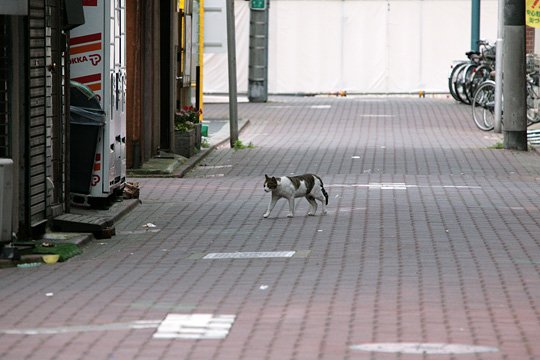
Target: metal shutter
(36,131)
(4,129)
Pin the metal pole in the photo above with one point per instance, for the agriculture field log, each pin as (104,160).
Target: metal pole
(201,58)
(258,55)
(475,24)
(514,85)
(499,68)
(231,55)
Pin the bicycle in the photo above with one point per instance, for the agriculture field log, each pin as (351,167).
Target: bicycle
(477,74)
(455,85)
(483,104)
(465,76)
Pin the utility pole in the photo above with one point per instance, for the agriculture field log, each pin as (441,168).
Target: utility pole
(231,56)
(499,68)
(514,85)
(475,24)
(258,51)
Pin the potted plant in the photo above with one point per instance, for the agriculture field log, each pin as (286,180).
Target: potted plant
(187,134)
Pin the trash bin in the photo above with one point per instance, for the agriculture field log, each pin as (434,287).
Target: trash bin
(82,96)
(86,121)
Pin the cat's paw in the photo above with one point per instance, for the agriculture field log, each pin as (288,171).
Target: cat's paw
(290,215)
(266,215)
(311,213)
(325,212)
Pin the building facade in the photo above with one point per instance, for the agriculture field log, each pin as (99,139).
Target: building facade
(35,95)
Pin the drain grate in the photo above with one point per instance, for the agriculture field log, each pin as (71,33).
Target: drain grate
(424,348)
(194,326)
(250,255)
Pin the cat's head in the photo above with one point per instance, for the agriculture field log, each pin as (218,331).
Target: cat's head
(270,183)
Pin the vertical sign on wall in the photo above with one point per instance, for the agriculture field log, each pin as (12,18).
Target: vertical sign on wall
(532,13)
(257,4)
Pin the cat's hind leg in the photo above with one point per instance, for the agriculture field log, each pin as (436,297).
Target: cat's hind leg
(313,205)
(322,199)
(318,194)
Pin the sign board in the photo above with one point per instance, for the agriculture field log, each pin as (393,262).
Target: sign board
(257,4)
(13,7)
(532,13)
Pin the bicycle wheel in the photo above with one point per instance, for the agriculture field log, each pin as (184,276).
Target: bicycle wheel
(468,75)
(459,84)
(478,76)
(452,78)
(483,106)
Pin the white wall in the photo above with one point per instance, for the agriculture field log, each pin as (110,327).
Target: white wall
(360,46)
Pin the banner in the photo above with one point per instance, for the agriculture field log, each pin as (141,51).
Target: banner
(532,13)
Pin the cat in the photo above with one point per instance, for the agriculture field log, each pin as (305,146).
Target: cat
(289,187)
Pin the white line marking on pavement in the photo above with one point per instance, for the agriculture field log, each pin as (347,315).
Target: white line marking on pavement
(194,326)
(214,166)
(174,326)
(142,324)
(376,115)
(250,255)
(402,186)
(424,349)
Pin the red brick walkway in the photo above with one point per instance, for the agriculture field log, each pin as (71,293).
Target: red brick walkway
(432,238)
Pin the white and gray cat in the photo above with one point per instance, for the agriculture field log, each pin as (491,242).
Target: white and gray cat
(290,187)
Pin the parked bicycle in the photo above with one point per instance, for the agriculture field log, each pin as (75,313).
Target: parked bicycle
(466,76)
(483,104)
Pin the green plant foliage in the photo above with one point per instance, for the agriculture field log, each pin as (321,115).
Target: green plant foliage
(239,145)
(185,119)
(497,146)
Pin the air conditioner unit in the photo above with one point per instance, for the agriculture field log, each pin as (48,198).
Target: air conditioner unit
(6,199)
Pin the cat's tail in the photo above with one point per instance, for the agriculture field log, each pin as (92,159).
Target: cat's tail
(323,190)
(324,193)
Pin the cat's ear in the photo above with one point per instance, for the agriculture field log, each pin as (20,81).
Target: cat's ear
(266,176)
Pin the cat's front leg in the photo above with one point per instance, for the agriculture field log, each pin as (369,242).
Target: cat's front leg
(291,207)
(271,205)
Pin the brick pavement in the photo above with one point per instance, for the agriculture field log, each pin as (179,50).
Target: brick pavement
(431,237)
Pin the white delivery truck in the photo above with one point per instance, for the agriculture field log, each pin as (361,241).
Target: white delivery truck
(97,60)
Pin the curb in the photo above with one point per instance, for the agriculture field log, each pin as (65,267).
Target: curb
(195,160)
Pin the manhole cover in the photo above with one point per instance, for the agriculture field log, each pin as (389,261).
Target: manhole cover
(426,348)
